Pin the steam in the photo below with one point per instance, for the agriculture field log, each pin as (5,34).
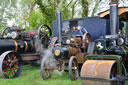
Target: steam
(38,45)
(46,54)
(49,58)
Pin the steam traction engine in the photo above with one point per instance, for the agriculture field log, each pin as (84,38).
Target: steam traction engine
(107,63)
(17,46)
(68,51)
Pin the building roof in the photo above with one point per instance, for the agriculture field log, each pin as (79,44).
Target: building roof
(122,12)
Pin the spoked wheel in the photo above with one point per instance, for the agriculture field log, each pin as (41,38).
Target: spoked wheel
(73,68)
(86,40)
(45,72)
(10,65)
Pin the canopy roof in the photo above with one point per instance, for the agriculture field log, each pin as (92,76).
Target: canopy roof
(122,12)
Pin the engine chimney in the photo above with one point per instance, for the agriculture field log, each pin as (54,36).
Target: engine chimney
(114,20)
(59,25)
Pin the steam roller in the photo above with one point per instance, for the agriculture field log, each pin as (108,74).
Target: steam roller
(107,61)
(103,70)
(100,72)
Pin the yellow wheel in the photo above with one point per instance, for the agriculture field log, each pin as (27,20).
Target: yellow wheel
(45,72)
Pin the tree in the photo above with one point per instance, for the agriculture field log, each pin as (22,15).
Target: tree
(35,20)
(49,7)
(6,11)
(14,12)
(85,7)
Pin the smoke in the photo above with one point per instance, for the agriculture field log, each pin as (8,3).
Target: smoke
(49,58)
(51,61)
(46,54)
(38,45)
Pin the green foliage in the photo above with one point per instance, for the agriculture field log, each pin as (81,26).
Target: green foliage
(32,13)
(49,7)
(84,4)
(27,3)
(35,20)
(47,11)
(15,12)
(6,11)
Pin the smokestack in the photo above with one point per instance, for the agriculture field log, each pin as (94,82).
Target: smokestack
(114,17)
(59,25)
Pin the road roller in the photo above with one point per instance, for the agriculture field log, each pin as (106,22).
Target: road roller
(107,59)
(17,46)
(68,49)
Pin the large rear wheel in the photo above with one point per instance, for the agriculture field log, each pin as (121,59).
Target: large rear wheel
(10,65)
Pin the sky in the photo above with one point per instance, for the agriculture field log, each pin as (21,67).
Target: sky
(104,5)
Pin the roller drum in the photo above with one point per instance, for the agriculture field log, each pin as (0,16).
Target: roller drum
(97,72)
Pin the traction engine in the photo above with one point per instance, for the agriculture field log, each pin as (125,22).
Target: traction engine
(68,51)
(16,46)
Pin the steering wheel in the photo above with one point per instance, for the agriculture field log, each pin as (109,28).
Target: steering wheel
(44,33)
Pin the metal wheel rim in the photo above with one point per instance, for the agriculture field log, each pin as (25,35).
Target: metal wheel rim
(11,66)
(73,73)
(88,39)
(47,32)
(45,73)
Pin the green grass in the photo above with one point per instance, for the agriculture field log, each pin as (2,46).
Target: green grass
(31,76)
(127,83)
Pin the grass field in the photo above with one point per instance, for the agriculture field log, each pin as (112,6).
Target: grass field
(31,76)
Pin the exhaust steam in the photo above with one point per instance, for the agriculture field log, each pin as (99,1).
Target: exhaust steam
(46,54)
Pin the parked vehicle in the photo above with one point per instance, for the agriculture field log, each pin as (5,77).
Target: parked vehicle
(16,46)
(107,61)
